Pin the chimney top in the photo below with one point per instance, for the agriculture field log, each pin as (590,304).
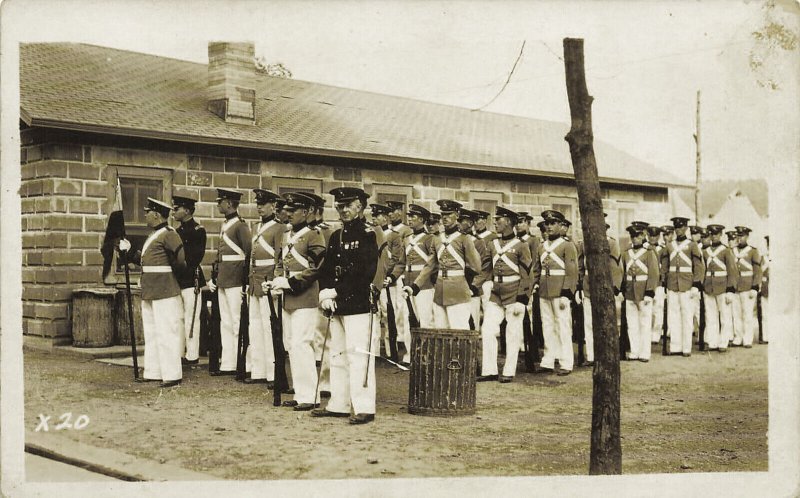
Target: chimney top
(232,81)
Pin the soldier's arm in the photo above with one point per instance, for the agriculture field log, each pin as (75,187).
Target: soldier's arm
(175,253)
(525,263)
(755,258)
(581,267)
(243,237)
(195,247)
(536,272)
(652,274)
(315,252)
(698,267)
(397,258)
(483,258)
(664,265)
(733,271)
(326,268)
(617,270)
(571,273)
(361,275)
(430,269)
(472,259)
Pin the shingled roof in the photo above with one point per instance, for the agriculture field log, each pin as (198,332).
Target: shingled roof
(105,90)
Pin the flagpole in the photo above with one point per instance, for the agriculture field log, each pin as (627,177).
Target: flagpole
(124,257)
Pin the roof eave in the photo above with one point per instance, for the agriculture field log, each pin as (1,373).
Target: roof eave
(179,137)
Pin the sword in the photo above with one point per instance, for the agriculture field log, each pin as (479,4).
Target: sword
(369,332)
(196,293)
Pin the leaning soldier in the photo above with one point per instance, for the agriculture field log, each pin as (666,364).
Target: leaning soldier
(718,288)
(510,260)
(345,283)
(162,259)
(682,266)
(555,275)
(232,254)
(748,262)
(639,285)
(193,236)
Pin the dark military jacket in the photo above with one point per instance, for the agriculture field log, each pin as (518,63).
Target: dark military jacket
(193,236)
(350,263)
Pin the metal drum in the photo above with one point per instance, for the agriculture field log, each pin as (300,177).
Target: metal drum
(443,369)
(93,317)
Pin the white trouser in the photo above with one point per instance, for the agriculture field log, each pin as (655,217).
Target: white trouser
(190,344)
(325,359)
(475,311)
(696,316)
(764,315)
(744,318)
(557,331)
(455,316)
(162,321)
(303,326)
(423,307)
(718,320)
(493,315)
(680,314)
(658,314)
(640,318)
(262,351)
(349,333)
(588,328)
(230,309)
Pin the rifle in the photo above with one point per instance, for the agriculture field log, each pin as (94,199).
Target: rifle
(536,325)
(527,339)
(391,325)
(413,321)
(196,295)
(281,381)
(578,331)
(664,327)
(215,349)
(701,335)
(760,317)
(624,339)
(244,328)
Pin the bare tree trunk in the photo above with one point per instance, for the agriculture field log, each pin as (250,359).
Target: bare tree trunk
(606,450)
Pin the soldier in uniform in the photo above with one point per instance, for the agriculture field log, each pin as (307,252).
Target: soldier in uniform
(433,226)
(510,260)
(696,234)
(653,244)
(232,254)
(555,275)
(642,276)
(682,266)
(162,259)
(266,243)
(484,237)
(396,233)
(345,279)
(316,221)
(719,287)
(296,277)
(193,236)
(748,262)
(466,223)
(419,250)
(455,264)
(583,294)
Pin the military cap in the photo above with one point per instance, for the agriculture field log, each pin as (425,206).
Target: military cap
(297,200)
(415,209)
(181,201)
(280,203)
(731,234)
(264,196)
(348,194)
(395,205)
(467,213)
(652,230)
(694,229)
(161,208)
(541,225)
(635,230)
(566,222)
(447,206)
(434,218)
(715,229)
(741,230)
(552,215)
(318,201)
(642,225)
(501,212)
(523,216)
(667,229)
(225,194)
(482,215)
(679,221)
(380,209)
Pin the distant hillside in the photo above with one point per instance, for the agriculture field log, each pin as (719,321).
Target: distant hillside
(714,193)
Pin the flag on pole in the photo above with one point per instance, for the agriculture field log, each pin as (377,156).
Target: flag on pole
(115,229)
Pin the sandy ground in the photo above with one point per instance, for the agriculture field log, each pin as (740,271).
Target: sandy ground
(699,414)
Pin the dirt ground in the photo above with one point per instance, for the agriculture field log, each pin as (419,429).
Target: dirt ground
(706,413)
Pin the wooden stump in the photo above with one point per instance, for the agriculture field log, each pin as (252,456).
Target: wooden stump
(93,317)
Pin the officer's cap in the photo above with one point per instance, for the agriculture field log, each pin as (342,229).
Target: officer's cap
(447,206)
(181,201)
(641,225)
(667,229)
(395,205)
(694,229)
(679,221)
(552,216)
(348,194)
(652,230)
(468,214)
(715,229)
(318,201)
(434,218)
(225,194)
(380,209)
(740,230)
(297,200)
(161,208)
(523,216)
(482,215)
(635,230)
(541,225)
(415,209)
(264,196)
(566,222)
(501,212)
(731,234)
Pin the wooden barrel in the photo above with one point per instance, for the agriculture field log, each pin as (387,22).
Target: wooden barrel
(443,369)
(93,317)
(122,330)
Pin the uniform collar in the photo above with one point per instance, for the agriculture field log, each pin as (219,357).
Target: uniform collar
(267,219)
(451,231)
(396,223)
(555,236)
(232,215)
(299,227)
(191,222)
(160,226)
(680,238)
(419,231)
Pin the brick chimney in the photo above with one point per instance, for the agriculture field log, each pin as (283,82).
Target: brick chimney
(232,81)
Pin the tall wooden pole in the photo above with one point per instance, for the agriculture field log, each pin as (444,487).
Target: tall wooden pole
(606,449)
(697,163)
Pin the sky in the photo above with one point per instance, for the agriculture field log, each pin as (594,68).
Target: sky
(645,62)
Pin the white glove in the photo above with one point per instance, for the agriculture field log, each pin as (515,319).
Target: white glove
(387,281)
(728,297)
(486,289)
(327,294)
(563,303)
(280,283)
(212,286)
(265,287)
(407,292)
(535,288)
(328,305)
(648,300)
(245,291)
(579,297)
(695,292)
(517,309)
(124,245)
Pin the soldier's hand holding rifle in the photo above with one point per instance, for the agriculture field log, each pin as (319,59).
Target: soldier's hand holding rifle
(327,300)
(212,286)
(276,285)
(408,291)
(579,297)
(124,245)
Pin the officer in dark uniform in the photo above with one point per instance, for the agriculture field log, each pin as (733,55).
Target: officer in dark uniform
(191,280)
(345,277)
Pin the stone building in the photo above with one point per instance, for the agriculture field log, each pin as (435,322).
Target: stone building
(93,115)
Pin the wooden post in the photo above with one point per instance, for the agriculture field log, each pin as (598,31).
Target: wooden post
(606,450)
(697,179)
